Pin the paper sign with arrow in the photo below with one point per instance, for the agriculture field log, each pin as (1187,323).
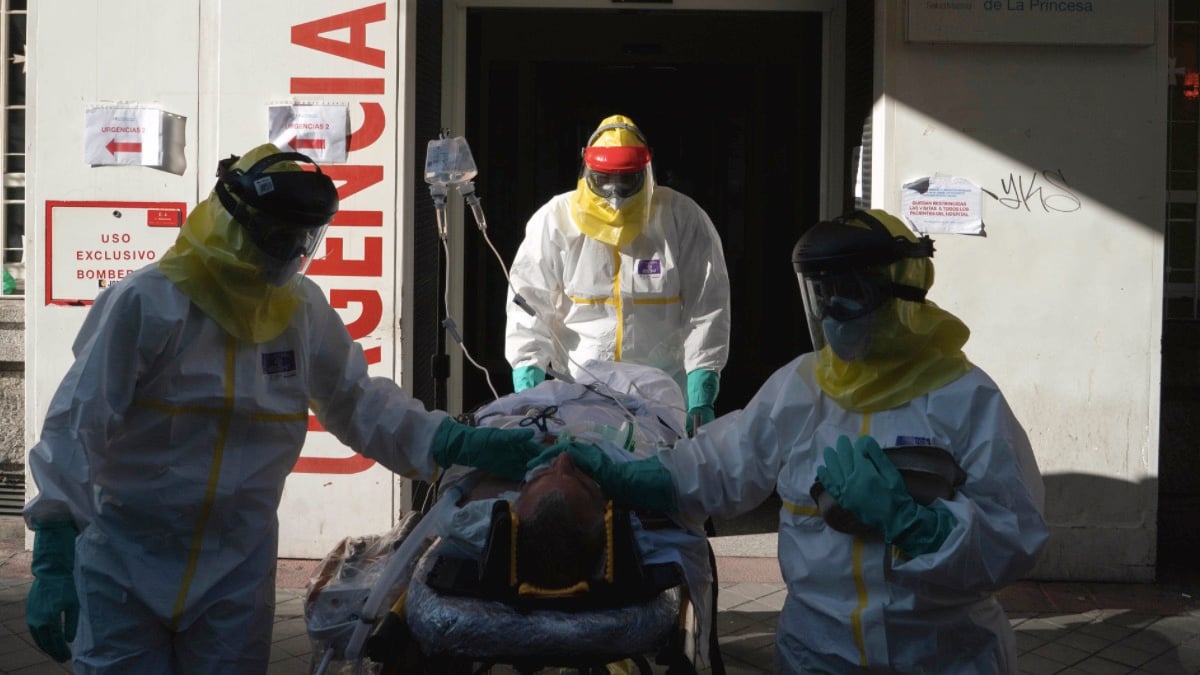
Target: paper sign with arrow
(116,135)
(318,131)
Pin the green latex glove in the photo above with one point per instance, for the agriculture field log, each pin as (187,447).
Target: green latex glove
(525,377)
(702,389)
(642,484)
(503,452)
(52,607)
(866,483)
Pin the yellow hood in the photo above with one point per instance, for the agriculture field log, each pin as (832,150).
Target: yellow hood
(594,216)
(216,265)
(916,346)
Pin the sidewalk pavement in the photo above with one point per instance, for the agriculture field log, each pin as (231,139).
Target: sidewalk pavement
(1062,628)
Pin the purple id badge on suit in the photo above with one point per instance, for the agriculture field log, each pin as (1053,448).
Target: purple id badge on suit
(649,267)
(275,363)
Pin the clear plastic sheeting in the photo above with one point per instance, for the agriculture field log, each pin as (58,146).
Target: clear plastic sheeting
(338,591)
(483,629)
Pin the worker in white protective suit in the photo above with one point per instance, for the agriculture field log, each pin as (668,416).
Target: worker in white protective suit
(621,269)
(164,451)
(912,591)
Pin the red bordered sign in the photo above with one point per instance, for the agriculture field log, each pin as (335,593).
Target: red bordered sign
(91,245)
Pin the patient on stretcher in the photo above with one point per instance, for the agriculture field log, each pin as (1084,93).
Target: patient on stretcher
(523,570)
(561,535)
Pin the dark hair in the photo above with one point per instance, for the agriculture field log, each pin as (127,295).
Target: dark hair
(552,550)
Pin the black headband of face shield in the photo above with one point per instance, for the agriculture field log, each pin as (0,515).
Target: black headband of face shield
(839,244)
(900,247)
(842,249)
(300,199)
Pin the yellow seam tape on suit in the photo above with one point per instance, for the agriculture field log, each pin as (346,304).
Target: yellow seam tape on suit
(860,584)
(214,476)
(620,309)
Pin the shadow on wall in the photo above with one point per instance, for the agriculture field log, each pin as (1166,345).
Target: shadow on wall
(1122,515)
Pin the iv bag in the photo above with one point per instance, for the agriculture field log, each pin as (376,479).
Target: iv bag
(448,161)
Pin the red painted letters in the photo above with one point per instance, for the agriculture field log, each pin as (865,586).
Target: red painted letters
(352,180)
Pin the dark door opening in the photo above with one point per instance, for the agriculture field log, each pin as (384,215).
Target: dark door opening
(731,105)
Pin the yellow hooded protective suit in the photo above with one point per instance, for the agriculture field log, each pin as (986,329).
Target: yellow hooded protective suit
(916,347)
(218,267)
(596,217)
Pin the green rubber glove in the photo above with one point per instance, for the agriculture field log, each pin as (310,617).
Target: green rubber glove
(642,484)
(702,389)
(503,452)
(862,480)
(525,377)
(52,607)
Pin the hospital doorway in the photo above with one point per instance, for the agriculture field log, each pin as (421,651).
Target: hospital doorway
(731,104)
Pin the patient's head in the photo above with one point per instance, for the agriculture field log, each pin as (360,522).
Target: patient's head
(560,535)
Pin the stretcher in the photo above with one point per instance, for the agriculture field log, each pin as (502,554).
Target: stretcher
(424,597)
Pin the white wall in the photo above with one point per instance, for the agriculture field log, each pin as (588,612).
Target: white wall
(80,54)
(1064,293)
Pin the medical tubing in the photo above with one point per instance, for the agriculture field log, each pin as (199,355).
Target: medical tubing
(567,377)
(467,190)
(520,302)
(452,329)
(580,366)
(390,579)
(439,192)
(481,222)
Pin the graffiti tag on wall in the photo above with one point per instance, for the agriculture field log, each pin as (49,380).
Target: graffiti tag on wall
(1046,190)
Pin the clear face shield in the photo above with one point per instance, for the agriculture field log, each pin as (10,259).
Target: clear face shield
(840,308)
(287,250)
(615,174)
(615,188)
(284,213)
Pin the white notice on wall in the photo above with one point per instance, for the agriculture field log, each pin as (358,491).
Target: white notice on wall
(318,131)
(943,205)
(114,135)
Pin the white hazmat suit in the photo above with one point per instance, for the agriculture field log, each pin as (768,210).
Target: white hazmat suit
(662,300)
(620,269)
(167,445)
(855,602)
(913,591)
